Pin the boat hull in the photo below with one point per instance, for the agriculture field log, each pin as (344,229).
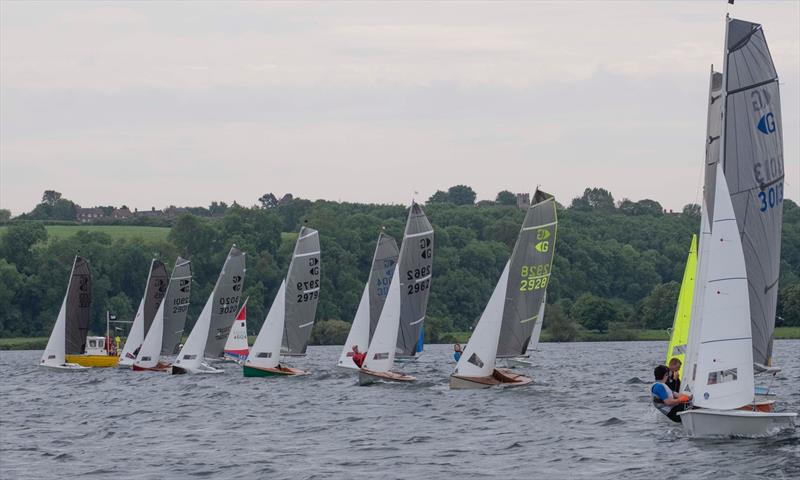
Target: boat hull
(94,361)
(280,371)
(500,377)
(161,367)
(202,369)
(65,367)
(519,362)
(734,423)
(367,377)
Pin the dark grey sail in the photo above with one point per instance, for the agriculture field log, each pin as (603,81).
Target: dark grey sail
(383,265)
(78,311)
(154,292)
(752,159)
(302,292)
(416,262)
(225,306)
(176,305)
(529,274)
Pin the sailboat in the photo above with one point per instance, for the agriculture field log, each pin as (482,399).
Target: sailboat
(524,361)
(415,269)
(403,312)
(291,317)
(215,320)
(236,348)
(154,291)
(161,342)
(72,324)
(373,298)
(506,326)
(744,177)
(679,335)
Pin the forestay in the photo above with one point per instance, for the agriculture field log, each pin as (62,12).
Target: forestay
(372,300)
(478,359)
(723,375)
(171,312)
(302,292)
(266,350)
(416,261)
(154,290)
(72,310)
(226,303)
(223,295)
(529,273)
(683,312)
(753,165)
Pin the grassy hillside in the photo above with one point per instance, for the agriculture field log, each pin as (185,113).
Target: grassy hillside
(57,232)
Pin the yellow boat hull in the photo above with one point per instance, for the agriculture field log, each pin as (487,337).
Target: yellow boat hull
(96,361)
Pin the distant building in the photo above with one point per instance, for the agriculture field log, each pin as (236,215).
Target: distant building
(523,200)
(172,211)
(122,213)
(148,213)
(89,215)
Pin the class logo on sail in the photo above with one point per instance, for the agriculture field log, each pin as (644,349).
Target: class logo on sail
(766,124)
(543,246)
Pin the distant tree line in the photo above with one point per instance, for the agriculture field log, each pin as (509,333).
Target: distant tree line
(618,265)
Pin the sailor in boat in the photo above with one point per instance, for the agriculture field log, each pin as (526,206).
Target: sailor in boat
(358,357)
(664,399)
(674,379)
(457,351)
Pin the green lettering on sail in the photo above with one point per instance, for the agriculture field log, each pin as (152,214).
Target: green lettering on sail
(683,312)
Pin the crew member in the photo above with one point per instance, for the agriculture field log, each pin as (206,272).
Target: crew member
(665,400)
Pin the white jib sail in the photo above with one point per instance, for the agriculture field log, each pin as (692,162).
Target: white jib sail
(359,332)
(237,339)
(135,336)
(266,350)
(150,353)
(54,353)
(191,355)
(478,359)
(380,356)
(724,376)
(537,326)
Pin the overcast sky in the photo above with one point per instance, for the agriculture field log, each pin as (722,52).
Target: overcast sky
(152,104)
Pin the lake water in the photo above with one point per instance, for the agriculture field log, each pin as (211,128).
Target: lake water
(587,416)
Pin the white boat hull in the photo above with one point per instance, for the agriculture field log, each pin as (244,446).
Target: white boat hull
(734,423)
(65,367)
(524,362)
(201,369)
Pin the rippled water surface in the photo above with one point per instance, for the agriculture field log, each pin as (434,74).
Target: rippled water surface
(587,415)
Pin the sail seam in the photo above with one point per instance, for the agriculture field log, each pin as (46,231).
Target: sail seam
(754,85)
(306,254)
(726,340)
(727,278)
(525,229)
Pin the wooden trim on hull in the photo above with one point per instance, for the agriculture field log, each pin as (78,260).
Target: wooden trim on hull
(161,367)
(500,376)
(279,371)
(366,377)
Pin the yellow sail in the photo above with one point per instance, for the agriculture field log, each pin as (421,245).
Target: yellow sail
(683,312)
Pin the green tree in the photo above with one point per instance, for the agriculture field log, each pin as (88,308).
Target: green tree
(505,197)
(789,307)
(17,243)
(658,308)
(461,195)
(595,313)
(439,197)
(559,325)
(5,215)
(598,199)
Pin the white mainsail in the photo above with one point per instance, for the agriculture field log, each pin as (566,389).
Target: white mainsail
(154,292)
(479,357)
(266,350)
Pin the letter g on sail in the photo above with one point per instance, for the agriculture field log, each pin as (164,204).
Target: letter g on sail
(766,124)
